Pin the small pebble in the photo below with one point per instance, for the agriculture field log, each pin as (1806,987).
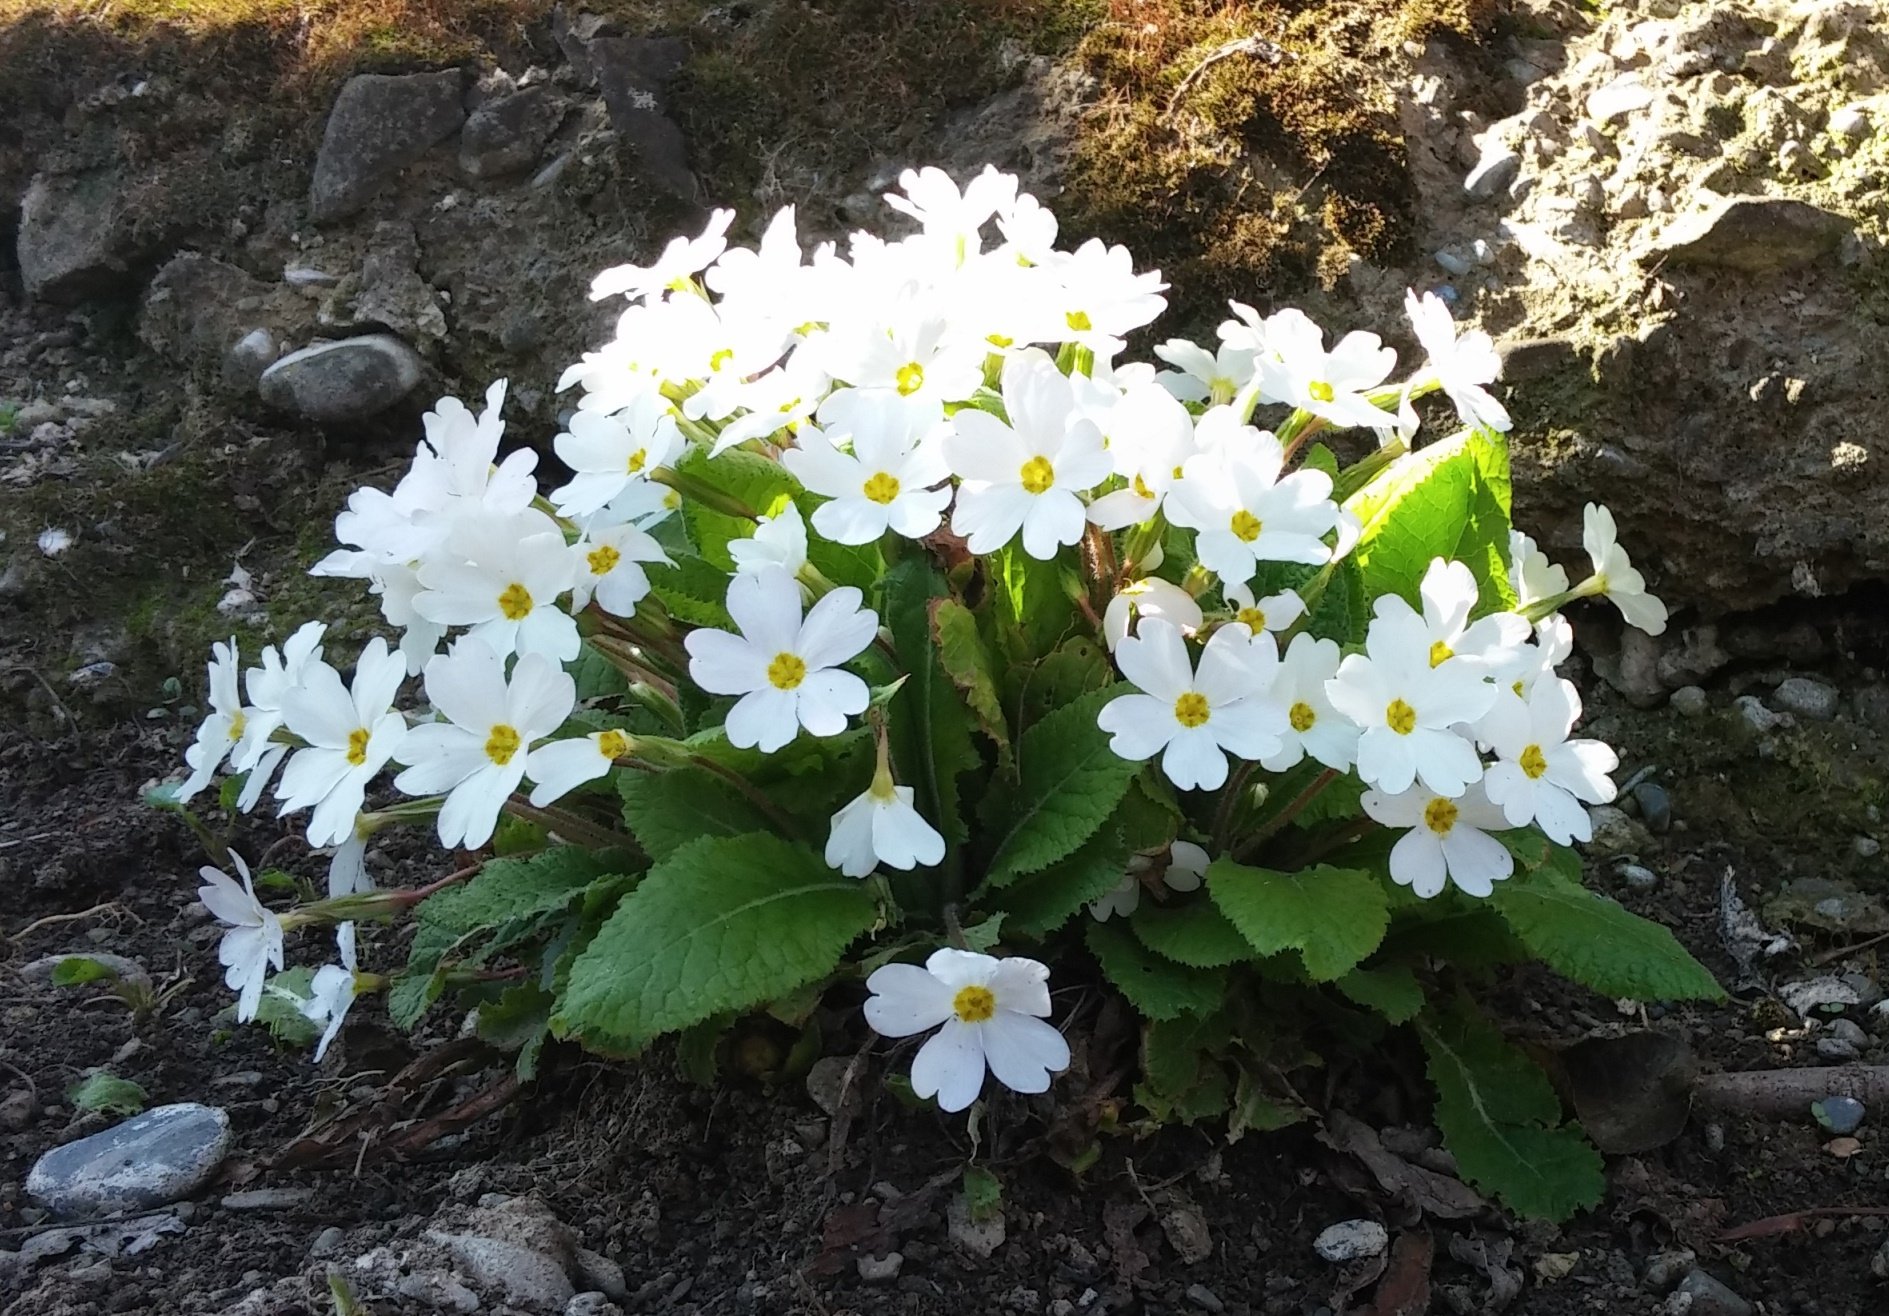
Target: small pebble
(1656,808)
(1840,1115)
(1351,1240)
(1835,1048)
(1757,716)
(880,1270)
(1453,260)
(1849,1031)
(1815,700)
(1689,701)
(1706,1296)
(1879,1264)
(1849,122)
(1640,879)
(1867,847)
(1668,1268)
(1205,1298)
(327,1242)
(1715,1137)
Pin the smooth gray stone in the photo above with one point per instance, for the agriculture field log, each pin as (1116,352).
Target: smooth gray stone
(349,380)
(149,1160)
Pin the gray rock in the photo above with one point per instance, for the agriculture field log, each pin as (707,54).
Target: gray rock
(72,235)
(160,1156)
(1496,170)
(1205,1299)
(388,292)
(1656,807)
(1836,1049)
(507,133)
(267,1199)
(17,1111)
(633,74)
(596,1271)
(1838,1114)
(1640,879)
(380,124)
(1667,1268)
(1849,121)
(592,1304)
(521,1276)
(246,359)
(1690,701)
(1699,1294)
(1698,657)
(880,1270)
(1866,847)
(1634,669)
(1806,697)
(1351,1240)
(980,1238)
(327,1242)
(1455,260)
(1848,1030)
(126,970)
(349,380)
(437,1292)
(1615,832)
(205,314)
(1753,234)
(1755,715)
(1879,1262)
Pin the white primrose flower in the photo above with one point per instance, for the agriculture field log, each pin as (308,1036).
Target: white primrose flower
(779,542)
(1246,514)
(1313,726)
(561,766)
(479,755)
(1100,296)
(1151,597)
(223,729)
(782,398)
(1541,776)
(347,867)
(1531,575)
(914,360)
(1195,719)
(257,753)
(1448,840)
(1275,612)
(1461,366)
(1294,368)
(675,269)
(881,826)
(1408,710)
(332,993)
(1202,376)
(1553,645)
(504,580)
(1443,629)
(785,669)
(1150,437)
(351,732)
(610,568)
(949,216)
(611,452)
(1029,231)
(895,477)
(1615,577)
(765,279)
(254,940)
(1185,869)
(1028,475)
(995,1014)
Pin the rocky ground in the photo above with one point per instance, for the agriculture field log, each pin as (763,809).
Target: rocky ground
(229,283)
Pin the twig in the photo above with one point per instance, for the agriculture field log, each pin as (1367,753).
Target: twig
(1785,1092)
(1256,46)
(1792,1221)
(1844,952)
(50,919)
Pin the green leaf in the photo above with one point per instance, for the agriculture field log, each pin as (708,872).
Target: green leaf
(1597,943)
(79,970)
(724,923)
(1468,938)
(107,1094)
(1071,670)
(1158,987)
(1320,458)
(1193,932)
(1501,1120)
(1032,610)
(1184,1078)
(982,936)
(1039,903)
(594,675)
(519,1020)
(930,728)
(413,991)
(1449,500)
(1069,784)
(692,590)
(1392,991)
(506,890)
(965,658)
(983,1193)
(1333,917)
(1257,1111)
(666,810)
(280,1010)
(756,482)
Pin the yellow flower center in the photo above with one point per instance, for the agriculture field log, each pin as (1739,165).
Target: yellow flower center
(502,744)
(638,460)
(720,359)
(1255,619)
(1533,762)
(1245,526)
(603,560)
(1140,486)
(671,499)
(911,378)
(999,341)
(974,1004)
(1037,475)
(1440,653)
(881,488)
(515,602)
(1439,815)
(1177,472)
(357,746)
(1191,710)
(237,724)
(1079,321)
(1301,716)
(1320,391)
(787,671)
(1400,717)
(613,744)
(1517,687)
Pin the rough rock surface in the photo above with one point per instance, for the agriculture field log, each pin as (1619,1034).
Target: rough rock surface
(160,1156)
(507,133)
(198,309)
(71,240)
(380,124)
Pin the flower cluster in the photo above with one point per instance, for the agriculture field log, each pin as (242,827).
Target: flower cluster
(767,416)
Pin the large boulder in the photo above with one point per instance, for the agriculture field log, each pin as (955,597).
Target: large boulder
(72,234)
(380,125)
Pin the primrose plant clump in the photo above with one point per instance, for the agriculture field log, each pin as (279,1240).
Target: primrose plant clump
(895,642)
